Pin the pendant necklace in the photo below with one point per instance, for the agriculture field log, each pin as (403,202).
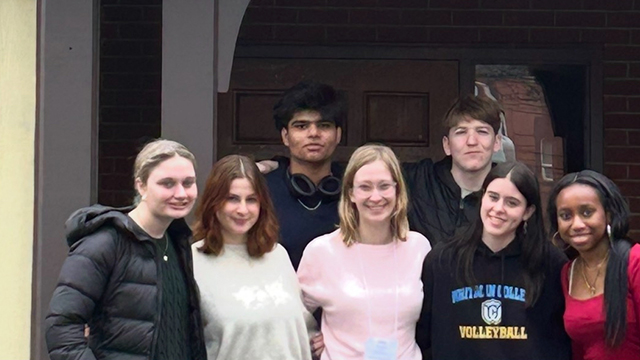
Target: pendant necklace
(592,287)
(310,208)
(166,247)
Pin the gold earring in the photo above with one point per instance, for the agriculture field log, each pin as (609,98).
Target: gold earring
(555,242)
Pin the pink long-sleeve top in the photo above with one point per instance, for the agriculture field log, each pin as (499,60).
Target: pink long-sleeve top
(360,289)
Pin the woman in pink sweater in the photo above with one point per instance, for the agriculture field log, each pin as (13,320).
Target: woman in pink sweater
(366,275)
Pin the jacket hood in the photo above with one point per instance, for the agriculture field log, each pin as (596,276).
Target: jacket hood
(514,249)
(88,220)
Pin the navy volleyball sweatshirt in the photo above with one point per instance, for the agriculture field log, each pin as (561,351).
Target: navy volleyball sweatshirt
(489,320)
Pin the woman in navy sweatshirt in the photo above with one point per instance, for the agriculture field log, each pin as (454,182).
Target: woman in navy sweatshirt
(494,291)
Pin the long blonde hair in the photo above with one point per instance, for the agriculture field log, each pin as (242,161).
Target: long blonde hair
(349,217)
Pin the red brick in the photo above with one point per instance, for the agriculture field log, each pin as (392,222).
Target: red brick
(150,114)
(119,115)
(621,87)
(125,165)
(454,4)
(622,53)
(556,4)
(630,187)
(608,5)
(352,3)
(152,48)
(426,17)
(270,16)
(301,2)
(106,166)
(120,13)
(141,2)
(615,70)
(141,30)
(606,36)
(116,182)
(403,34)
(152,13)
(129,98)
(623,19)
(582,19)
(614,104)
(634,70)
(616,171)
(109,31)
(323,16)
(634,231)
(255,32)
(635,37)
(473,18)
(528,18)
(622,121)
(261,3)
(121,81)
(374,17)
(615,137)
(339,34)
(633,103)
(505,4)
(302,34)
(130,65)
(117,149)
(120,47)
(634,203)
(504,35)
(453,35)
(128,131)
(634,139)
(404,4)
(555,35)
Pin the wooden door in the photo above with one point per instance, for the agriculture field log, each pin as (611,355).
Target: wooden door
(396,102)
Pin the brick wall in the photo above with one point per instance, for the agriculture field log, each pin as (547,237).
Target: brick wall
(130,85)
(131,59)
(614,24)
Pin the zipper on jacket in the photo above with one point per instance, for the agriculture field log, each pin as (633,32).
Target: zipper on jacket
(156,325)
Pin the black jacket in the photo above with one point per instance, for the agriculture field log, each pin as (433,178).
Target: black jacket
(436,208)
(489,320)
(110,282)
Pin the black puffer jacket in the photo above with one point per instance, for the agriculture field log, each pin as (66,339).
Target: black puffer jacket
(436,209)
(110,281)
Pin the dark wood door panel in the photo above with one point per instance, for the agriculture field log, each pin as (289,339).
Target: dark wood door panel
(396,102)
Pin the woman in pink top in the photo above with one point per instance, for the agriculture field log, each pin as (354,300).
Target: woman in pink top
(602,285)
(366,275)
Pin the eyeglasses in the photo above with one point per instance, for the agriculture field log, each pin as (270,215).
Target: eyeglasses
(384,188)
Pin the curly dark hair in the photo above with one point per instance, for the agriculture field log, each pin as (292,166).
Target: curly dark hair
(310,95)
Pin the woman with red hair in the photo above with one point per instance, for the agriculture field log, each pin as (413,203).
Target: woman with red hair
(249,294)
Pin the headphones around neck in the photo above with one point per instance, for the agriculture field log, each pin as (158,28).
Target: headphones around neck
(301,186)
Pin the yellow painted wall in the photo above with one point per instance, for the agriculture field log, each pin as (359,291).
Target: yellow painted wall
(18,29)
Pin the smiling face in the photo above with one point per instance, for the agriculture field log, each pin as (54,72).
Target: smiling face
(309,138)
(471,143)
(374,193)
(582,220)
(239,212)
(502,210)
(170,190)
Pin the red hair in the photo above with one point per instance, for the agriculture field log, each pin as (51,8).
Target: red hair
(263,236)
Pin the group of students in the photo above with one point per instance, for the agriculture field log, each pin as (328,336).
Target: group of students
(267,251)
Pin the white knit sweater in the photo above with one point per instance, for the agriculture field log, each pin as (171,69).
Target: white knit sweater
(251,308)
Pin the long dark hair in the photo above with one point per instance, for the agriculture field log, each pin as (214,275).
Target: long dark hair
(534,246)
(616,279)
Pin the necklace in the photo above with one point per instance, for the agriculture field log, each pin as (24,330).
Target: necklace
(310,208)
(166,247)
(592,287)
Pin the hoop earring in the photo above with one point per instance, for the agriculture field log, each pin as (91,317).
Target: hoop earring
(555,242)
